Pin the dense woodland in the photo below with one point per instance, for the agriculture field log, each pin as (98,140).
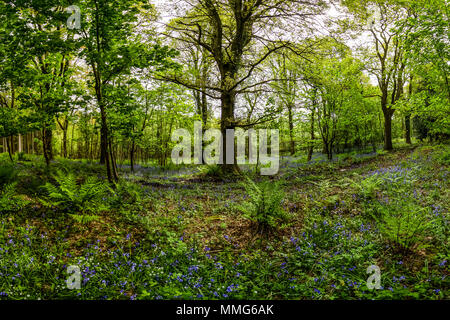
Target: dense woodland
(91,92)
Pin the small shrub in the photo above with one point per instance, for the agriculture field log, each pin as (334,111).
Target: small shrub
(389,199)
(21,156)
(7,174)
(405,225)
(369,186)
(9,201)
(212,171)
(71,197)
(265,204)
(444,157)
(126,193)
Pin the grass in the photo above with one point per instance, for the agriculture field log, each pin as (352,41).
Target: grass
(187,237)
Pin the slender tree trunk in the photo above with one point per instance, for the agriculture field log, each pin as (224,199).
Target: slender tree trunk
(104,145)
(25,139)
(132,156)
(32,142)
(408,129)
(311,147)
(11,145)
(71,141)
(103,149)
(291,130)
(47,145)
(64,143)
(44,147)
(204,111)
(408,116)
(327,149)
(20,143)
(9,149)
(64,129)
(113,162)
(105,156)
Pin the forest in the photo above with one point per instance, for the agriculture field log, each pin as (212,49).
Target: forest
(134,142)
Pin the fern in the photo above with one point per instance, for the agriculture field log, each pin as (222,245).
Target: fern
(211,171)
(405,226)
(84,219)
(69,196)
(126,193)
(444,156)
(7,174)
(264,205)
(9,201)
(369,186)
(21,156)
(400,217)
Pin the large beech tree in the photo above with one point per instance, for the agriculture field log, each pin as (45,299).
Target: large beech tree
(239,36)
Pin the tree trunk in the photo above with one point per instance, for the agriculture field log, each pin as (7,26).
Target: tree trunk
(408,129)
(71,141)
(103,146)
(65,142)
(227,122)
(291,130)
(408,116)
(20,143)
(32,142)
(9,149)
(47,137)
(311,147)
(204,100)
(113,162)
(330,152)
(388,130)
(327,148)
(11,145)
(132,156)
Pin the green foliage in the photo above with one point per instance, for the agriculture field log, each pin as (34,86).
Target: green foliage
(125,194)
(171,233)
(265,204)
(326,257)
(68,196)
(400,217)
(10,201)
(382,152)
(406,225)
(21,156)
(8,174)
(211,171)
(368,187)
(84,219)
(444,156)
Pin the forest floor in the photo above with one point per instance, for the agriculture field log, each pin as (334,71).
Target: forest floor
(185,236)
